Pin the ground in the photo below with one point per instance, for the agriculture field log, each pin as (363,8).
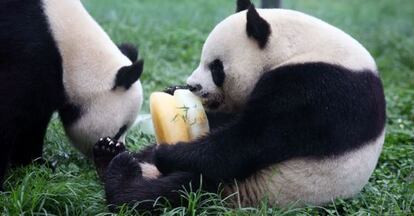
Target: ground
(170,35)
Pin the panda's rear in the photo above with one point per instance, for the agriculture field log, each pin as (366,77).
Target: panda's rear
(308,181)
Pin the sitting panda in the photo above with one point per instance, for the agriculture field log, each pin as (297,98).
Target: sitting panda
(55,57)
(304,114)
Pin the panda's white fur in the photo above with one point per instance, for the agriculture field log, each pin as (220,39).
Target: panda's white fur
(307,181)
(149,171)
(295,38)
(90,64)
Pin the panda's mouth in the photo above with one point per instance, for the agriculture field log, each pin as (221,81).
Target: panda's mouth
(212,101)
(212,105)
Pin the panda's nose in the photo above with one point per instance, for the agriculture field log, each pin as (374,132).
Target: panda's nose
(195,88)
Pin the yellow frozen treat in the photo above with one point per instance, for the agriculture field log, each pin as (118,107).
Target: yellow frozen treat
(191,108)
(169,126)
(177,118)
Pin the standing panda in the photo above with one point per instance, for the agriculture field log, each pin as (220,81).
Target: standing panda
(55,57)
(308,125)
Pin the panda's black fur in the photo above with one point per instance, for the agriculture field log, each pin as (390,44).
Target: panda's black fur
(257,27)
(31,86)
(311,110)
(217,72)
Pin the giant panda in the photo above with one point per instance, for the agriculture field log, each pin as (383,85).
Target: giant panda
(305,119)
(55,57)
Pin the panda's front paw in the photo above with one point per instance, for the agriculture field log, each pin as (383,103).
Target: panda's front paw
(170,90)
(162,159)
(124,165)
(107,148)
(104,151)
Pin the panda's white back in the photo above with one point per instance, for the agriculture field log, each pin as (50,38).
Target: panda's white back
(303,38)
(75,30)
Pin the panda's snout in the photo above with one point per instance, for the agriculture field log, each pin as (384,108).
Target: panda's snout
(195,88)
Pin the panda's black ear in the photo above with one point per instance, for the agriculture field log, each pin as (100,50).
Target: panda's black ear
(256,27)
(128,75)
(129,51)
(243,5)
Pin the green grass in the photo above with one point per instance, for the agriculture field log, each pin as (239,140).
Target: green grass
(170,35)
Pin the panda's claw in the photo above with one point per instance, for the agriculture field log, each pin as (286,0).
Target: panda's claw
(170,90)
(104,151)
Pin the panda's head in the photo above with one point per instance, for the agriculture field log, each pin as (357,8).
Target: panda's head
(110,110)
(233,58)
(102,92)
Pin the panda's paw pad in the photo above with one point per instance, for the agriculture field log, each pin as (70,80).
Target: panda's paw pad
(126,165)
(107,147)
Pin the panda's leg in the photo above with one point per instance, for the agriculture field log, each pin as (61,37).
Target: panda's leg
(6,148)
(29,140)
(125,184)
(21,137)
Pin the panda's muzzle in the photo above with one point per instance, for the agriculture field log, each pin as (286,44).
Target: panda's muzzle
(195,88)
(205,95)
(210,100)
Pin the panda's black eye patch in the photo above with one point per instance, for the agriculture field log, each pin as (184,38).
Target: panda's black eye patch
(217,72)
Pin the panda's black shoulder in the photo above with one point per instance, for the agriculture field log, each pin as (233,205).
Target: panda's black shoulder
(27,35)
(316,109)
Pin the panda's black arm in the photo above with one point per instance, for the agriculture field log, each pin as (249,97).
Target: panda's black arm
(236,147)
(220,119)
(224,155)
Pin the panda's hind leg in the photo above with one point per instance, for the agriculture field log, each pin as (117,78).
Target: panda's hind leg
(146,155)
(28,139)
(125,183)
